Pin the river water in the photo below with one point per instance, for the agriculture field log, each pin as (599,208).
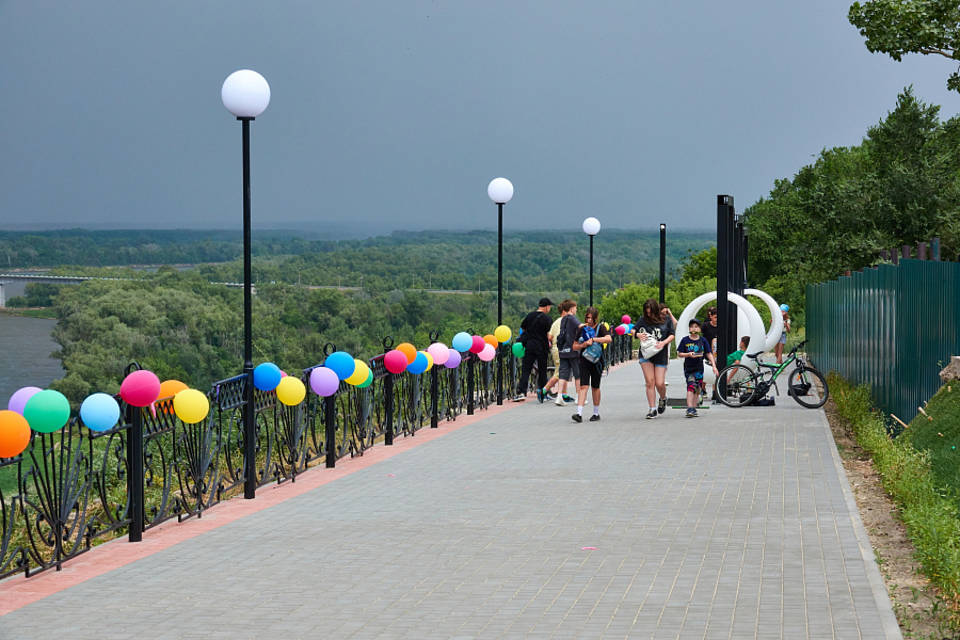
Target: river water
(25,348)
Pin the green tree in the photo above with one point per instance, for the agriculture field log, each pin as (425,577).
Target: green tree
(899,27)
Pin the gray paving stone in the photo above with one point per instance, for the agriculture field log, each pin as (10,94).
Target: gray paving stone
(735,525)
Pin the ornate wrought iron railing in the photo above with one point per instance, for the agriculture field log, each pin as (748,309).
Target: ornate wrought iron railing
(74,488)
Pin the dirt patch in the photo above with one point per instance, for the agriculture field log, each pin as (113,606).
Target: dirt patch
(919,609)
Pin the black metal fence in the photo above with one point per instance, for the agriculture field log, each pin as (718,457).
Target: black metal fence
(74,488)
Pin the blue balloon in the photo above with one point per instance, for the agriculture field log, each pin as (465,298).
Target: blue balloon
(341,363)
(419,364)
(100,412)
(266,376)
(462,341)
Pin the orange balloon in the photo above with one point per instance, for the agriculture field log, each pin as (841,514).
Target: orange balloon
(14,434)
(170,388)
(408,350)
(491,340)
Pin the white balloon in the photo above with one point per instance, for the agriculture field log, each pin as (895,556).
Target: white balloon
(245,93)
(591,226)
(776,319)
(500,190)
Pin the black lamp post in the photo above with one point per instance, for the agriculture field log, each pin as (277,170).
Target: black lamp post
(246,94)
(500,191)
(663,263)
(591,227)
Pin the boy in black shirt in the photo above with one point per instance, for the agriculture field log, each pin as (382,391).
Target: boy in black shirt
(536,343)
(693,349)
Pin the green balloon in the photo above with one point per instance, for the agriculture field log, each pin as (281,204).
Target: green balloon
(366,383)
(47,411)
(518,349)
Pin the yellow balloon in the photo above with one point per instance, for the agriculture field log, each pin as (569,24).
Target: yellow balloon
(291,391)
(191,406)
(429,360)
(502,333)
(360,373)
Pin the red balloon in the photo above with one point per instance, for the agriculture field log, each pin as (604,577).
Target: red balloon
(395,361)
(478,344)
(620,330)
(140,388)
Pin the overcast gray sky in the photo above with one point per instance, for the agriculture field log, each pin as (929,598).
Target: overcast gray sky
(395,114)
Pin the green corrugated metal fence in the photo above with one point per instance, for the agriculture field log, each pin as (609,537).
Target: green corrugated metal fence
(892,327)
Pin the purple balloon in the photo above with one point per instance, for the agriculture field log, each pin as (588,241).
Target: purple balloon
(19,398)
(454,360)
(324,381)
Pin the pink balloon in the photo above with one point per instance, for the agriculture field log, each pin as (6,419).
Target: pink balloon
(478,344)
(140,388)
(620,330)
(395,361)
(325,382)
(19,398)
(625,319)
(283,374)
(488,353)
(453,360)
(439,352)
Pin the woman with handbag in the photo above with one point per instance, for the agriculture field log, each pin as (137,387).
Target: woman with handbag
(590,343)
(655,329)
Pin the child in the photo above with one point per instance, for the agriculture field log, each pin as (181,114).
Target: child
(734,358)
(693,349)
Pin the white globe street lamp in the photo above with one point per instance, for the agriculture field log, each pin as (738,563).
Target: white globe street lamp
(246,94)
(591,227)
(500,191)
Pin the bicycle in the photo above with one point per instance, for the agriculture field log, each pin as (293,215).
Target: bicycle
(739,385)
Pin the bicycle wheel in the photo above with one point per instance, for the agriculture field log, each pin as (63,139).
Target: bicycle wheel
(736,385)
(808,387)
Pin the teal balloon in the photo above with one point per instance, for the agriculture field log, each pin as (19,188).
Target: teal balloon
(419,364)
(462,342)
(341,363)
(266,376)
(100,412)
(47,411)
(518,349)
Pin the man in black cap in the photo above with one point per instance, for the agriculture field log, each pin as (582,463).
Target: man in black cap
(536,344)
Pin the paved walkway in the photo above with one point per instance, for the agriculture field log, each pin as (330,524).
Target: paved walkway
(737,524)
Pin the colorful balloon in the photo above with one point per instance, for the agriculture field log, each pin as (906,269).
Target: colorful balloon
(491,340)
(360,371)
(291,391)
(395,361)
(139,389)
(429,360)
(462,341)
(366,383)
(19,398)
(488,353)
(625,319)
(99,412)
(342,364)
(191,406)
(453,361)
(620,330)
(49,410)
(419,364)
(14,434)
(439,351)
(324,381)
(518,349)
(266,376)
(408,350)
(477,345)
(503,333)
(169,388)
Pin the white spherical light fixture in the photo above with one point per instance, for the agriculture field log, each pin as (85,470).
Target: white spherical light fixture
(245,93)
(591,226)
(500,190)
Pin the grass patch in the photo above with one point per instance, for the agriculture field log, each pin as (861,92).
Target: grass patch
(928,507)
(35,312)
(938,434)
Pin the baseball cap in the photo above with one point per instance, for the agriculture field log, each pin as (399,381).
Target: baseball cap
(694,321)
(545,302)
(784,307)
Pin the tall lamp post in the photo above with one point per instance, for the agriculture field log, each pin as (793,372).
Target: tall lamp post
(591,227)
(246,94)
(663,262)
(500,191)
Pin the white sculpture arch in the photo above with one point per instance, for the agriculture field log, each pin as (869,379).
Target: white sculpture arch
(749,322)
(776,318)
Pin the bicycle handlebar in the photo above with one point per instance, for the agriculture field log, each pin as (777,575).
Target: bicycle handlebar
(796,348)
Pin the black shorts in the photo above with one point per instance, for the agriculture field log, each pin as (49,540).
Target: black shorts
(590,373)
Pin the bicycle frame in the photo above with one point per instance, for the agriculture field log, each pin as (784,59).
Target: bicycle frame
(769,372)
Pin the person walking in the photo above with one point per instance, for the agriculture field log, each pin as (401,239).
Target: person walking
(567,361)
(693,349)
(536,340)
(655,323)
(778,350)
(589,346)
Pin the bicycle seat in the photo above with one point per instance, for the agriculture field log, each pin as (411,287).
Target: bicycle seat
(755,355)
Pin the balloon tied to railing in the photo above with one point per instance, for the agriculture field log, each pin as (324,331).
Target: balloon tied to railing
(47,411)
